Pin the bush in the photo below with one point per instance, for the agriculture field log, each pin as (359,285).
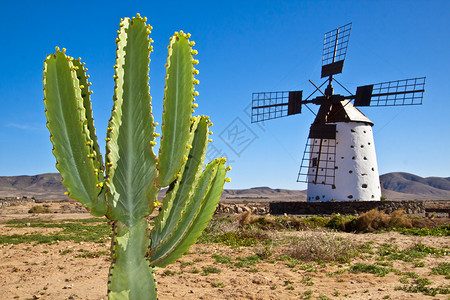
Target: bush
(37,209)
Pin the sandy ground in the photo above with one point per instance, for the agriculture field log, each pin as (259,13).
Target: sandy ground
(30,271)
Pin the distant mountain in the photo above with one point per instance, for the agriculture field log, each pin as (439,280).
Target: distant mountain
(399,185)
(42,186)
(395,186)
(263,194)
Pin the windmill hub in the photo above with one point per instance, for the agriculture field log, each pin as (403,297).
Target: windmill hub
(339,162)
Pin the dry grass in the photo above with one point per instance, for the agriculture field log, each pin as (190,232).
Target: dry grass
(375,220)
(324,246)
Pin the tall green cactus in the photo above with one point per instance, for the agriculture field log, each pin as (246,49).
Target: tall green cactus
(125,188)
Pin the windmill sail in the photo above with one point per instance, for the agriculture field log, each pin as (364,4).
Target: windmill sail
(335,46)
(391,93)
(273,105)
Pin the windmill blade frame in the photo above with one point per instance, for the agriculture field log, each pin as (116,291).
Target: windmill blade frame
(335,44)
(273,105)
(391,93)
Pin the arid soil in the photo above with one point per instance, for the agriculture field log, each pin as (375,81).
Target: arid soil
(42,271)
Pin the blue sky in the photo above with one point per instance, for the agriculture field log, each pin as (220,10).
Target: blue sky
(244,47)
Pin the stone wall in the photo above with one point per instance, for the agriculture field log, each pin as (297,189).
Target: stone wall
(345,208)
(11,201)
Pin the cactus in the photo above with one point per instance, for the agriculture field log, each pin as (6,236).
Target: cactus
(125,187)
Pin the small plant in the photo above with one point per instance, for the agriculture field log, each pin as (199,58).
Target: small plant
(67,251)
(306,295)
(124,188)
(210,270)
(307,280)
(442,269)
(37,209)
(221,259)
(368,268)
(247,261)
(290,288)
(217,284)
(169,273)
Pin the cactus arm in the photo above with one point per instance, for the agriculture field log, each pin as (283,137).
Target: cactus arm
(195,218)
(130,276)
(69,133)
(177,110)
(130,161)
(180,192)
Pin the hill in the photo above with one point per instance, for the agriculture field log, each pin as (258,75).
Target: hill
(395,186)
(402,186)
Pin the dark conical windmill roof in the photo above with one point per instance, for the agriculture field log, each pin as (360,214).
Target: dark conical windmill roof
(344,111)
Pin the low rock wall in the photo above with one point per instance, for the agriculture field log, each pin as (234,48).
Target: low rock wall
(345,208)
(11,201)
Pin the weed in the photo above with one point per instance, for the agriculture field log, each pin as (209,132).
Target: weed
(419,251)
(411,275)
(221,259)
(252,270)
(290,288)
(247,261)
(306,295)
(265,251)
(367,268)
(88,254)
(67,251)
(195,271)
(307,280)
(442,269)
(419,264)
(288,282)
(168,273)
(323,297)
(71,230)
(217,284)
(420,285)
(442,230)
(210,270)
(404,280)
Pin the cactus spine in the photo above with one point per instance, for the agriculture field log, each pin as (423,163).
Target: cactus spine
(125,188)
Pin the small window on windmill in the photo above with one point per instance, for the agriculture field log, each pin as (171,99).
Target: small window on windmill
(314,162)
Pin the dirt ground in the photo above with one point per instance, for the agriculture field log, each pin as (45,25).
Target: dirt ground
(29,271)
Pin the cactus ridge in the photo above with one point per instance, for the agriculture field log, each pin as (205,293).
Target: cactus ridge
(126,186)
(84,84)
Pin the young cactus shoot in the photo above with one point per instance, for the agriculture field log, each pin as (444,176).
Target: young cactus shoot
(124,188)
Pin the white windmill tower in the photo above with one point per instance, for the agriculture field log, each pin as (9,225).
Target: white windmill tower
(339,162)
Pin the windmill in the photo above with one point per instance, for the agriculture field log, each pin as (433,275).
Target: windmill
(339,162)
